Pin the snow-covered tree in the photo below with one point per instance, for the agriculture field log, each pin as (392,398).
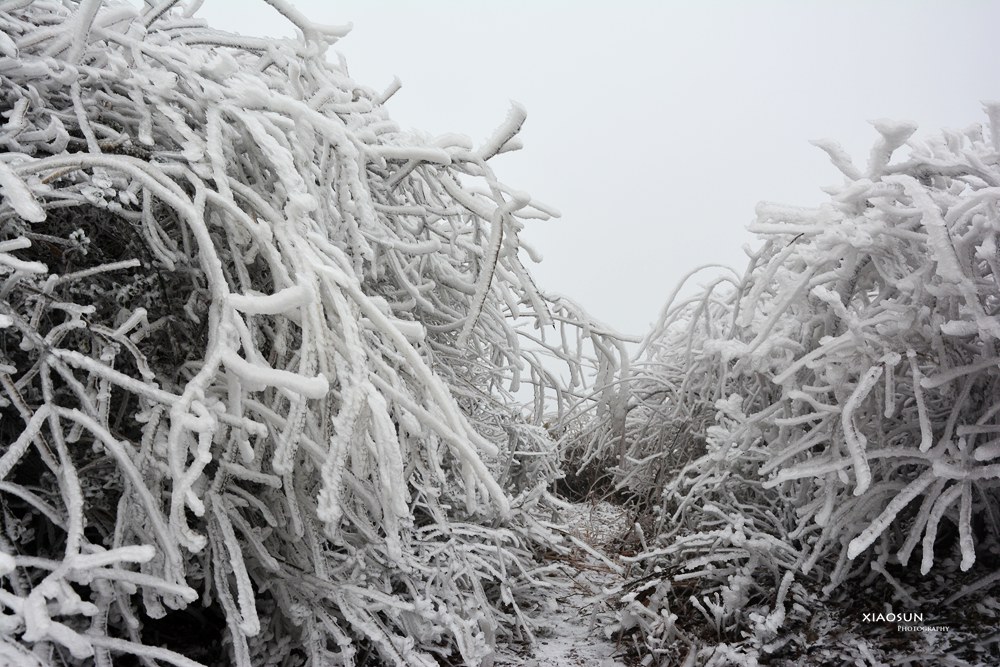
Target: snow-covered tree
(829,420)
(256,344)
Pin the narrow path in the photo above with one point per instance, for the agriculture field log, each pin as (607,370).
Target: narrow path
(573,639)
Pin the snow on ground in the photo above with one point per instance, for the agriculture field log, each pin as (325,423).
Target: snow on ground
(572,638)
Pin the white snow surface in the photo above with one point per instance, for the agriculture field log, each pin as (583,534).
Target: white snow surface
(573,639)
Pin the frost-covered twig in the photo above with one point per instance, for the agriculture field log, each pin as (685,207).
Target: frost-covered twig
(256,341)
(785,396)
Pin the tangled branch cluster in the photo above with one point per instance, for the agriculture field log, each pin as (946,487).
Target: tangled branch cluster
(255,347)
(841,400)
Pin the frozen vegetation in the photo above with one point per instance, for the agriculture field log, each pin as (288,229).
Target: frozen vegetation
(818,437)
(263,357)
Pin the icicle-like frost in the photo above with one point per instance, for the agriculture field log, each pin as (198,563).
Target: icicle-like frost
(965,542)
(888,515)
(17,194)
(926,431)
(505,133)
(259,377)
(856,440)
(285,301)
(894,134)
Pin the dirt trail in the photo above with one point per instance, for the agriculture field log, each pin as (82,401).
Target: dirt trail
(572,638)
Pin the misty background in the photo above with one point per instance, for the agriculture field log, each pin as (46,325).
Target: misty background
(655,128)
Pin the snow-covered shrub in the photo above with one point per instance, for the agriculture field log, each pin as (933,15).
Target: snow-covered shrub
(855,377)
(255,341)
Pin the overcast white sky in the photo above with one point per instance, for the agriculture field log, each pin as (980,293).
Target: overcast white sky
(655,127)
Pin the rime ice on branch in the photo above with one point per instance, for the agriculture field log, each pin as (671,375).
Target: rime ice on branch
(255,340)
(833,411)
